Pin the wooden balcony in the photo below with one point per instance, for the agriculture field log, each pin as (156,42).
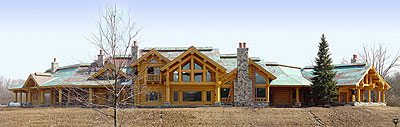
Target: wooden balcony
(153,78)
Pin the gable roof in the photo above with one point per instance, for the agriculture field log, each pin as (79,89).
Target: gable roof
(260,68)
(193,50)
(152,52)
(105,69)
(346,74)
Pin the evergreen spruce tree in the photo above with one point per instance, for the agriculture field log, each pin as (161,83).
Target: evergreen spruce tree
(323,84)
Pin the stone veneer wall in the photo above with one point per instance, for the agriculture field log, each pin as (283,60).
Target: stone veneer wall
(242,87)
(134,54)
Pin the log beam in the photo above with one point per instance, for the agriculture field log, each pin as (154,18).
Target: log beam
(379,96)
(20,97)
(383,96)
(16,97)
(358,95)
(29,97)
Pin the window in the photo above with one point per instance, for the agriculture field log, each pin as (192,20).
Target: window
(198,77)
(186,67)
(260,92)
(208,76)
(153,96)
(110,98)
(192,96)
(153,70)
(197,66)
(35,96)
(208,95)
(225,92)
(186,76)
(176,95)
(47,98)
(260,79)
(176,75)
(228,82)
(153,61)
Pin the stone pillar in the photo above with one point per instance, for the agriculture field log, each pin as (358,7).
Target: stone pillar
(243,89)
(134,54)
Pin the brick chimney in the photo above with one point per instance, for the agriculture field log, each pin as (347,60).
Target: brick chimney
(100,59)
(54,66)
(354,59)
(242,85)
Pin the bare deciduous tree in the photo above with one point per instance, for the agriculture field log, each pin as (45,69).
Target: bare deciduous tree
(378,56)
(5,84)
(385,64)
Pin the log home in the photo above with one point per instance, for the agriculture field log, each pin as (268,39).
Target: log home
(197,76)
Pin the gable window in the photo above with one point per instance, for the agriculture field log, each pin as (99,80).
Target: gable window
(198,77)
(186,67)
(153,61)
(208,76)
(259,79)
(197,66)
(192,70)
(186,76)
(176,76)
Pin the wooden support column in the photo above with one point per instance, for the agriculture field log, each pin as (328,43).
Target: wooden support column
(20,97)
(168,92)
(353,97)
(41,96)
(297,95)
(383,96)
(26,97)
(59,95)
(369,95)
(267,92)
(379,96)
(90,95)
(358,95)
(69,96)
(29,96)
(16,97)
(339,98)
(217,87)
(362,95)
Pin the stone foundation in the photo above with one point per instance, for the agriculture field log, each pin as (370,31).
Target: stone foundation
(369,103)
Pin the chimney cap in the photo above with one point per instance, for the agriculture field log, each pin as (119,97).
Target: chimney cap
(244,44)
(101,52)
(240,44)
(354,56)
(135,43)
(55,60)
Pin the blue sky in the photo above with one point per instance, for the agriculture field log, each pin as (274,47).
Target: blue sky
(32,33)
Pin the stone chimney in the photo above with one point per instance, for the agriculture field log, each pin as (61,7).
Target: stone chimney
(354,59)
(100,59)
(134,54)
(242,85)
(54,66)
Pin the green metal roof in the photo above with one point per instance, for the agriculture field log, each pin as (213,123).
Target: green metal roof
(286,75)
(346,74)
